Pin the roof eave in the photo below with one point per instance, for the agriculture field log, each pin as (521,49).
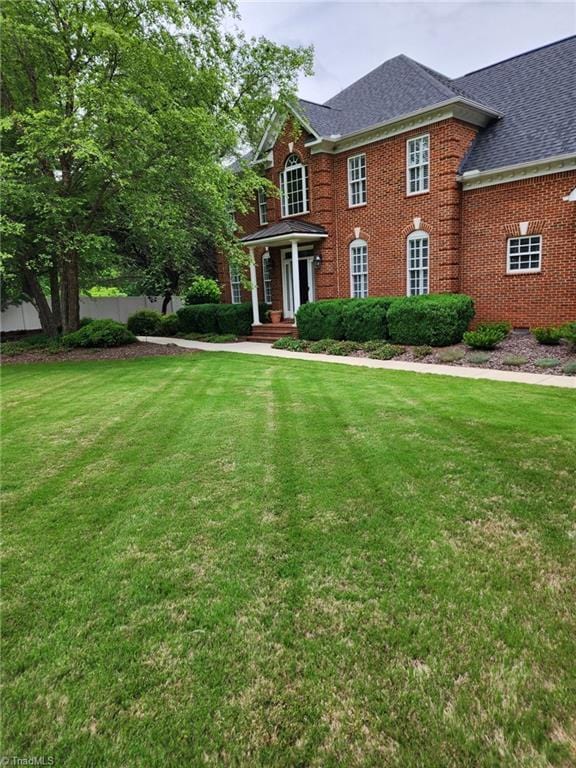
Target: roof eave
(285,238)
(488,177)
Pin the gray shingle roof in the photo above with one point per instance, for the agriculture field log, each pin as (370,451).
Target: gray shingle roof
(535,92)
(286,227)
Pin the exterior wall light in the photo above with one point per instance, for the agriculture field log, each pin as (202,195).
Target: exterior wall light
(317,261)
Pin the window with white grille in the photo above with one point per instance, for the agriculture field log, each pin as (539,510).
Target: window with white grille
(525,254)
(235,285)
(417,165)
(359,269)
(267,278)
(294,187)
(262,207)
(418,263)
(357,180)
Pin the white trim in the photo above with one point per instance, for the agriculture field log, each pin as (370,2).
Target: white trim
(419,166)
(295,167)
(266,258)
(262,204)
(282,239)
(529,270)
(302,255)
(358,243)
(235,281)
(509,173)
(254,290)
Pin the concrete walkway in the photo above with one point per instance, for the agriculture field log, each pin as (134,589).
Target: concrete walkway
(465,372)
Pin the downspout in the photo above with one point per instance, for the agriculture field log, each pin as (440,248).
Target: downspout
(336,228)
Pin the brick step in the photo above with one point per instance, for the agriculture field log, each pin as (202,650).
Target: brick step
(264,339)
(276,331)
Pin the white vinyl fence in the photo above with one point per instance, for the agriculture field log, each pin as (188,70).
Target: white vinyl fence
(25,318)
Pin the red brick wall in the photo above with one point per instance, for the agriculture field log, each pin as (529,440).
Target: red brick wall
(489,217)
(467,230)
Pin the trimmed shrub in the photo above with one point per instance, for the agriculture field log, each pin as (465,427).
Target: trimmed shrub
(235,318)
(488,338)
(547,362)
(515,360)
(100,333)
(218,319)
(203,290)
(569,333)
(434,319)
(145,322)
(450,355)
(198,318)
(549,335)
(320,320)
(570,368)
(502,329)
(291,344)
(169,325)
(386,352)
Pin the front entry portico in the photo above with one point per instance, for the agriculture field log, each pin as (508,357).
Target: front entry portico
(298,237)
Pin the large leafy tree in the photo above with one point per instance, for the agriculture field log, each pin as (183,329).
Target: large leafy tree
(118,116)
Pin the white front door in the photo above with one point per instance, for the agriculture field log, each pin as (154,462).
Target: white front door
(306,261)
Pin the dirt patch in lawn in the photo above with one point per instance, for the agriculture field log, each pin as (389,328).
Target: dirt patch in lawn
(127,352)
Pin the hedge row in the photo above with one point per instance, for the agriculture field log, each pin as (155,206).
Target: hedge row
(435,319)
(218,318)
(345,319)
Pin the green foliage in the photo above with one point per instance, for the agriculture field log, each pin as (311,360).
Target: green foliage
(422,351)
(203,290)
(169,325)
(12,348)
(233,319)
(145,322)
(318,320)
(435,319)
(344,319)
(569,333)
(219,338)
(515,360)
(547,362)
(100,333)
(501,328)
(487,338)
(86,321)
(386,351)
(570,368)
(343,348)
(291,344)
(323,346)
(450,355)
(549,335)
(477,358)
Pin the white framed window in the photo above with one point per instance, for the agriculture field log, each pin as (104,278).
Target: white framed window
(418,256)
(267,277)
(524,254)
(293,187)
(262,207)
(418,165)
(359,269)
(356,180)
(235,285)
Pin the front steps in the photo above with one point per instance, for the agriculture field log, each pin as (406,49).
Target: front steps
(268,333)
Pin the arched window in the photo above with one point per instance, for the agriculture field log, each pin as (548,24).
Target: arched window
(418,256)
(359,269)
(294,187)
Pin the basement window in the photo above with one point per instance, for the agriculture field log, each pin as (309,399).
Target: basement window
(524,254)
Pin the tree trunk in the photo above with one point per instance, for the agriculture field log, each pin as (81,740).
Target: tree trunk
(55,296)
(34,290)
(166,300)
(70,292)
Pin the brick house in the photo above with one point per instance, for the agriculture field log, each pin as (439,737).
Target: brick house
(407,182)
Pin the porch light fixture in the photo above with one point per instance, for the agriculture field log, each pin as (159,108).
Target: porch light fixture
(317,260)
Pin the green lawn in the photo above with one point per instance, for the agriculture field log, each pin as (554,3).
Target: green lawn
(233,561)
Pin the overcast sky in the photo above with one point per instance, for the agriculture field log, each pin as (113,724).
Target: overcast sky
(351,38)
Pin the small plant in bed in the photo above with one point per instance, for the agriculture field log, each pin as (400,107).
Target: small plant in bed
(38,342)
(386,352)
(450,355)
(100,333)
(549,335)
(570,368)
(483,337)
(547,362)
(569,334)
(423,351)
(291,344)
(478,358)
(515,360)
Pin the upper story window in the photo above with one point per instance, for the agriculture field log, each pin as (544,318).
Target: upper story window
(262,207)
(235,284)
(357,180)
(294,187)
(525,254)
(267,278)
(417,165)
(359,269)
(418,263)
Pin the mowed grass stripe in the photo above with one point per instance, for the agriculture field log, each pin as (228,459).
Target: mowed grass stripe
(240,561)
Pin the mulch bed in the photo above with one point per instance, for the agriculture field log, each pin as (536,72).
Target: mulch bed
(517,343)
(128,352)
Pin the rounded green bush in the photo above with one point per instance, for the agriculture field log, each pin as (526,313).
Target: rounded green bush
(549,335)
(547,362)
(100,333)
(568,332)
(483,338)
(145,322)
(169,325)
(437,320)
(202,290)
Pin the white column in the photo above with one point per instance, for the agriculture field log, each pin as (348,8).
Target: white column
(295,277)
(255,310)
